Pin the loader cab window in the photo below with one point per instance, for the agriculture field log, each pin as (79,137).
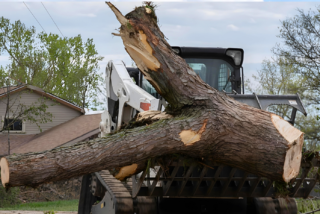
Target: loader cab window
(149,88)
(214,72)
(200,69)
(224,74)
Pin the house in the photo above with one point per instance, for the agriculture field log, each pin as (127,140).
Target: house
(69,124)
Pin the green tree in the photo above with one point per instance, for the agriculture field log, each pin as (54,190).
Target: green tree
(278,77)
(66,67)
(10,197)
(301,48)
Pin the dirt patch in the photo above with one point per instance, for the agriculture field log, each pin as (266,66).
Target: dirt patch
(53,191)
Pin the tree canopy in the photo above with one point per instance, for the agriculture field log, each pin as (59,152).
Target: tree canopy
(66,67)
(301,49)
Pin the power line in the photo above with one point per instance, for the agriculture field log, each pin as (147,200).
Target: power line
(34,17)
(52,19)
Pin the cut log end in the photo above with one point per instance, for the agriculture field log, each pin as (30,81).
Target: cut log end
(126,171)
(293,155)
(4,166)
(189,137)
(292,162)
(148,10)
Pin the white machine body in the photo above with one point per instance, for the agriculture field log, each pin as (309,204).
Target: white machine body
(132,98)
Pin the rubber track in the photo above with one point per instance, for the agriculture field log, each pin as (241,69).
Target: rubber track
(122,192)
(117,187)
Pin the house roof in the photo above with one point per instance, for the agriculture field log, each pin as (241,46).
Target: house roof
(15,141)
(70,132)
(4,89)
(15,89)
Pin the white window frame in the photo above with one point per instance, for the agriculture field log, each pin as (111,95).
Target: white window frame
(23,131)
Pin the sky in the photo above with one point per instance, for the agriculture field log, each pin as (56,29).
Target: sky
(251,25)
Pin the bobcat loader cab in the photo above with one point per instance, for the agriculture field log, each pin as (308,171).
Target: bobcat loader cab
(189,188)
(219,67)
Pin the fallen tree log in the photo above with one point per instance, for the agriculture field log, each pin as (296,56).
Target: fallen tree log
(206,124)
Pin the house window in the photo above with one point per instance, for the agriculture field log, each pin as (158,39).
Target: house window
(14,125)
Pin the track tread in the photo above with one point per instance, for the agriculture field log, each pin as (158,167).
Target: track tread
(118,188)
(122,193)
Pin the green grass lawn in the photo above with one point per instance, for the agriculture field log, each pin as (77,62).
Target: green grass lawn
(71,205)
(306,205)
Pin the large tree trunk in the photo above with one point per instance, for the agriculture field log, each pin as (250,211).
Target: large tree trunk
(207,124)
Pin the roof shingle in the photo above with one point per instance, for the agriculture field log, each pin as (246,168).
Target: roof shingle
(73,130)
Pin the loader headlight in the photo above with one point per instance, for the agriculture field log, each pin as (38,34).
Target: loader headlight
(237,56)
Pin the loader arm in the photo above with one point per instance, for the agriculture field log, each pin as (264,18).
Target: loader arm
(124,98)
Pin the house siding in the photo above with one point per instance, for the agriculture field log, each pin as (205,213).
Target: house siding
(60,112)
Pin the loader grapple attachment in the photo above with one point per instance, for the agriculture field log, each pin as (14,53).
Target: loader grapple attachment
(186,186)
(265,101)
(217,180)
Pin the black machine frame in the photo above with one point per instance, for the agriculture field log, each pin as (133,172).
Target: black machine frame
(219,181)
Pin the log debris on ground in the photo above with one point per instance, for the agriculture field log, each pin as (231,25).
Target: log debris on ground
(205,123)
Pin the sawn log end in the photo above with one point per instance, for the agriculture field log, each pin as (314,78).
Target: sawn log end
(293,155)
(5,175)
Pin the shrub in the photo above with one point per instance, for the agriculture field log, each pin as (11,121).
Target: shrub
(10,197)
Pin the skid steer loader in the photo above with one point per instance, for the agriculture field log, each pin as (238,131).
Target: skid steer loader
(188,188)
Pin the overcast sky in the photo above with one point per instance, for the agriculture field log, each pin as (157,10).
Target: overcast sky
(251,25)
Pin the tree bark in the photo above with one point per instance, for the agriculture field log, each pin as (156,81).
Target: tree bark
(207,124)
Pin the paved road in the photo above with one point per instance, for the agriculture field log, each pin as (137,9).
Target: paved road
(32,212)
